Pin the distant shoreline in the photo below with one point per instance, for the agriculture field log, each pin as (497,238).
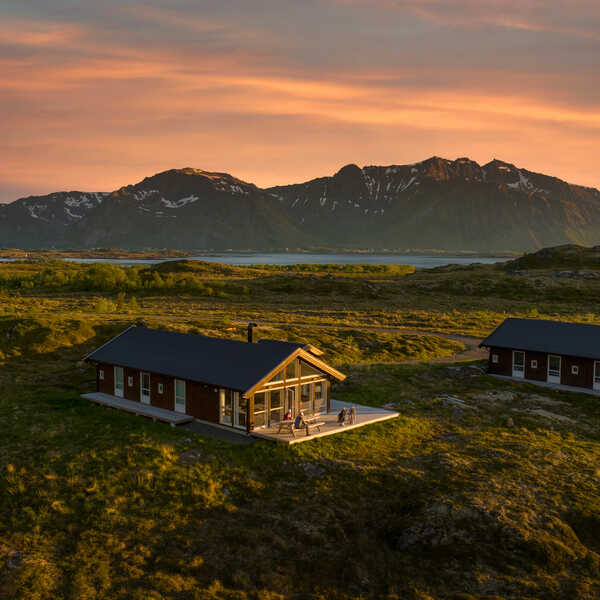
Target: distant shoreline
(117,254)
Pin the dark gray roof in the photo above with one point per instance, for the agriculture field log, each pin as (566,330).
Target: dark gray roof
(554,337)
(226,363)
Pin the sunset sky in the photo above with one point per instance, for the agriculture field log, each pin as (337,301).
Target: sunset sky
(95,95)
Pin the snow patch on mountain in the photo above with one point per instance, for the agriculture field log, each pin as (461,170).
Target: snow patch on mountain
(181,202)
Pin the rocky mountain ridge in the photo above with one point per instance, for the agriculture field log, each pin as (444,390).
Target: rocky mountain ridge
(434,204)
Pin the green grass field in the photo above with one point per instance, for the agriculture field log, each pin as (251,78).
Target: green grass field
(495,498)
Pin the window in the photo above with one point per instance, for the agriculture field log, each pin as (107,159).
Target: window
(554,366)
(160,388)
(240,406)
(179,395)
(309,370)
(495,358)
(101,374)
(291,370)
(260,409)
(574,370)
(534,364)
(277,377)
(306,398)
(130,381)
(225,406)
(320,396)
(275,406)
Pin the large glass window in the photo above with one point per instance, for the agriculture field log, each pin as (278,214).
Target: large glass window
(306,398)
(320,396)
(260,409)
(308,370)
(225,406)
(275,406)
(277,377)
(241,407)
(291,370)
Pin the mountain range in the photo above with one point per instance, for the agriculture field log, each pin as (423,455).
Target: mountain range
(436,204)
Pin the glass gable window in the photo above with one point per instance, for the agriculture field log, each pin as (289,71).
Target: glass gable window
(277,377)
(260,409)
(308,370)
(291,370)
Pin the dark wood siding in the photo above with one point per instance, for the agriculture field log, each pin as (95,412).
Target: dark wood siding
(106,386)
(167,398)
(504,364)
(202,401)
(132,392)
(540,372)
(585,377)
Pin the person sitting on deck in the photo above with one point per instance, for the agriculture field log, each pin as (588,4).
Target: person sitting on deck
(299,422)
(288,415)
(342,416)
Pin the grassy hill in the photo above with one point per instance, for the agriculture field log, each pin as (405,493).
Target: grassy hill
(494,497)
(569,256)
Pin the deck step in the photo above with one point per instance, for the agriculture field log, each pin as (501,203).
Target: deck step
(138,409)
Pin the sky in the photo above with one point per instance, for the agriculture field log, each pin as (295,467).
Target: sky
(96,95)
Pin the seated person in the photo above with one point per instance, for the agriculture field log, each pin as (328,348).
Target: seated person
(288,415)
(299,422)
(342,416)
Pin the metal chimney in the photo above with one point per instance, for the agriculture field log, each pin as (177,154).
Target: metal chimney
(252,333)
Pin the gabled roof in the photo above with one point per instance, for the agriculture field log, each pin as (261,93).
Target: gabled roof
(553,337)
(226,363)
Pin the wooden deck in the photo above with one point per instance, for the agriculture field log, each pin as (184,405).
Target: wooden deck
(365,415)
(137,408)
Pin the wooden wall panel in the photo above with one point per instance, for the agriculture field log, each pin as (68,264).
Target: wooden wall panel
(585,378)
(202,401)
(106,386)
(132,392)
(504,364)
(167,398)
(540,373)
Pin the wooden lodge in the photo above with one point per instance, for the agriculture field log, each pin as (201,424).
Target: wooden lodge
(242,385)
(554,352)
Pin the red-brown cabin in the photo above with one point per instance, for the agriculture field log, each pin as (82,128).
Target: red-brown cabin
(243,385)
(554,352)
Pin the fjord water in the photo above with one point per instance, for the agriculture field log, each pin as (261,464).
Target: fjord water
(231,258)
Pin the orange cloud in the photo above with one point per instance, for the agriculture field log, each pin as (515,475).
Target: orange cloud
(84,113)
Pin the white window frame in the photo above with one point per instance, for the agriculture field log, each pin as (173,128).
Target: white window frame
(122,389)
(181,405)
(495,358)
(596,384)
(574,369)
(130,381)
(161,388)
(518,370)
(101,374)
(553,376)
(142,388)
(534,364)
